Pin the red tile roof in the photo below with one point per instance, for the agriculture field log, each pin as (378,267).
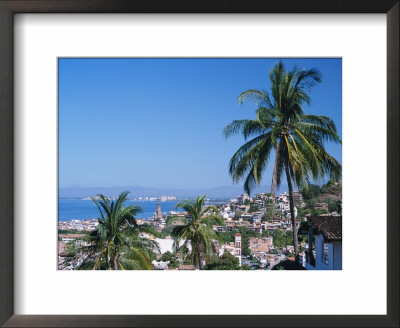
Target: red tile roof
(329,226)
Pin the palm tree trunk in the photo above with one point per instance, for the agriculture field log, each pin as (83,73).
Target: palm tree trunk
(274,179)
(108,265)
(199,257)
(274,173)
(291,203)
(115,263)
(196,262)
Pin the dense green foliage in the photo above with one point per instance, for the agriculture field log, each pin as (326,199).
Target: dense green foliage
(247,252)
(268,215)
(282,239)
(117,244)
(253,208)
(173,261)
(227,236)
(313,191)
(72,232)
(332,205)
(226,262)
(302,212)
(238,214)
(71,249)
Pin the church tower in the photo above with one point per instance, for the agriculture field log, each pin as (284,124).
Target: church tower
(158,213)
(238,247)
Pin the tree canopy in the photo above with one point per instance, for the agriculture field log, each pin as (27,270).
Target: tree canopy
(197,232)
(117,244)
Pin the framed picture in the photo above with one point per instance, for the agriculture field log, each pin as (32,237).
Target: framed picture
(123,97)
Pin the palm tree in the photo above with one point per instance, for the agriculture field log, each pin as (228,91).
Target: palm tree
(117,243)
(281,125)
(197,230)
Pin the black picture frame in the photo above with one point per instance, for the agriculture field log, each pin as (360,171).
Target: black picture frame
(10,7)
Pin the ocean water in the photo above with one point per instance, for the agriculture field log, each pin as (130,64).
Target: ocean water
(77,209)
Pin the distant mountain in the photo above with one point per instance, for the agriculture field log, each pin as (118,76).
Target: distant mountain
(222,192)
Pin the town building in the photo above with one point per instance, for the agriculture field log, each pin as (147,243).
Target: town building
(324,250)
(260,245)
(297,198)
(159,219)
(238,247)
(158,213)
(234,248)
(242,198)
(160,265)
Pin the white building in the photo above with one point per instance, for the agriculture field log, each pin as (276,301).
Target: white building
(256,217)
(246,216)
(288,214)
(228,213)
(238,247)
(234,249)
(159,265)
(324,241)
(242,198)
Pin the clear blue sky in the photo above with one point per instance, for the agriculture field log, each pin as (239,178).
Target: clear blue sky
(159,122)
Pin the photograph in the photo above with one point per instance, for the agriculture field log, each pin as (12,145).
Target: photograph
(219,142)
(199,164)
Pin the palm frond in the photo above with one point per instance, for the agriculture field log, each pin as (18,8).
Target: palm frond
(246,127)
(260,97)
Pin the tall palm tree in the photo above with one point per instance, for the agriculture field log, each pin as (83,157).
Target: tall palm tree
(281,125)
(117,244)
(197,230)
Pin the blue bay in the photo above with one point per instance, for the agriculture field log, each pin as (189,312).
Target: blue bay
(78,209)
